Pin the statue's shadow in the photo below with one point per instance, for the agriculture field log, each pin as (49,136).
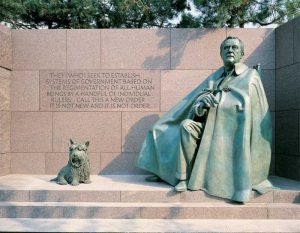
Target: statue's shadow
(124,162)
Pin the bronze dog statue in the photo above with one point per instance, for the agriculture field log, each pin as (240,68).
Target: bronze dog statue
(78,168)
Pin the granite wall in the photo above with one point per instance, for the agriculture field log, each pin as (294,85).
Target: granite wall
(125,79)
(288,100)
(5,116)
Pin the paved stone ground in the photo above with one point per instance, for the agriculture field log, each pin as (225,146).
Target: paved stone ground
(146,225)
(38,205)
(108,182)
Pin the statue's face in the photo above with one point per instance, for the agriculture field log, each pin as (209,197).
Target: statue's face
(231,52)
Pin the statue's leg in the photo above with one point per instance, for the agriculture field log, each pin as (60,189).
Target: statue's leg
(190,135)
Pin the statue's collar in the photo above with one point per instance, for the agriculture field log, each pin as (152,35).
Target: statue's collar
(239,68)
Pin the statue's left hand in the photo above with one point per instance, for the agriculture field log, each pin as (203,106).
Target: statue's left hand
(199,109)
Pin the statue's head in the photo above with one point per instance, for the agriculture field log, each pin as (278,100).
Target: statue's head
(231,50)
(78,153)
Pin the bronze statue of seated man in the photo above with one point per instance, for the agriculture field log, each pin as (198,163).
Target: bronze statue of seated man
(218,138)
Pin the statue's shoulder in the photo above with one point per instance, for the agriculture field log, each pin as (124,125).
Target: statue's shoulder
(240,68)
(253,76)
(251,73)
(255,73)
(218,73)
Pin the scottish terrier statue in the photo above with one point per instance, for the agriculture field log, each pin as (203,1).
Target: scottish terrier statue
(78,168)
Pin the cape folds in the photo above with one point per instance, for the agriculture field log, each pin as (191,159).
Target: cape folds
(235,150)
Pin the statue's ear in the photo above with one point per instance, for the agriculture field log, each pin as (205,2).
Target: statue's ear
(87,143)
(71,141)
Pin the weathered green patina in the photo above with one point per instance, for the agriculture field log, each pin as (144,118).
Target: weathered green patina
(78,169)
(218,138)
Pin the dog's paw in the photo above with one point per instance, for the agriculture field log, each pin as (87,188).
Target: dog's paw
(87,181)
(62,182)
(74,183)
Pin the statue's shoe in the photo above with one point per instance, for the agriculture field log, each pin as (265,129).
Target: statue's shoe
(153,178)
(181,186)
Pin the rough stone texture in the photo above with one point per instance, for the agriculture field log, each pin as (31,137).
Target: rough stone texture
(283,211)
(288,100)
(287,87)
(39,49)
(5,73)
(262,198)
(83,49)
(55,161)
(13,195)
(74,196)
(296,40)
(171,80)
(27,163)
(101,212)
(31,212)
(5,48)
(5,81)
(286,197)
(115,136)
(206,211)
(31,132)
(118,90)
(135,49)
(135,126)
(25,91)
(268,80)
(102,129)
(149,210)
(5,126)
(4,94)
(127,186)
(146,196)
(259,45)
(4,166)
(284,48)
(287,166)
(196,48)
(196,197)
(287,132)
(119,163)
(150,225)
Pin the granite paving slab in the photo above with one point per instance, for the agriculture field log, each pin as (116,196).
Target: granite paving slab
(146,225)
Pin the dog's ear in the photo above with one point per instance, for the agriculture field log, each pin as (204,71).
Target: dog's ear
(87,144)
(71,141)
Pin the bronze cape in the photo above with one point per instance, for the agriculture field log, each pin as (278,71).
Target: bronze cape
(235,150)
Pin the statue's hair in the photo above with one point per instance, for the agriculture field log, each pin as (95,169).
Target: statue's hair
(233,38)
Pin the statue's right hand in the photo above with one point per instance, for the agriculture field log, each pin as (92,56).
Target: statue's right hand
(209,101)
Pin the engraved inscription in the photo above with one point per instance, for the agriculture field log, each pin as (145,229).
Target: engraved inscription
(99,90)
